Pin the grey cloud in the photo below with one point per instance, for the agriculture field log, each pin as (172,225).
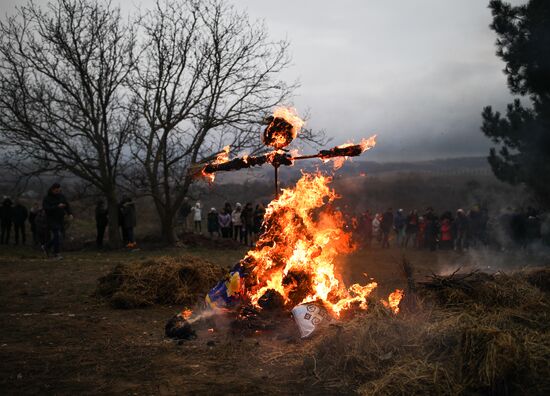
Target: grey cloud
(417,72)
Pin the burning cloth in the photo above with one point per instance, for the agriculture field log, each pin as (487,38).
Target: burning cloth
(228,292)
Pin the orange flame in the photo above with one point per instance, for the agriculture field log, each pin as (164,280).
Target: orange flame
(223,156)
(368,143)
(186,313)
(393,301)
(365,144)
(295,254)
(290,115)
(337,162)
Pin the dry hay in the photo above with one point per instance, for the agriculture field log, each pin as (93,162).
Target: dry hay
(469,334)
(182,280)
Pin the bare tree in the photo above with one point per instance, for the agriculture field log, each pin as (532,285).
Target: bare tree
(62,102)
(207,78)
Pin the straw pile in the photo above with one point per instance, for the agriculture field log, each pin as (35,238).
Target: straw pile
(467,334)
(182,280)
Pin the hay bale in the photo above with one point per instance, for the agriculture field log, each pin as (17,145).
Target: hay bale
(412,377)
(491,359)
(539,278)
(182,280)
(479,334)
(475,288)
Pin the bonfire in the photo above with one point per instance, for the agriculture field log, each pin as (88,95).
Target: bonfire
(292,264)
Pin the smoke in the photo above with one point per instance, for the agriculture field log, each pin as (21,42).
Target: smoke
(487,259)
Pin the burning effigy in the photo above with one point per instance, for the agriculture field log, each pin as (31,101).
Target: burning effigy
(291,269)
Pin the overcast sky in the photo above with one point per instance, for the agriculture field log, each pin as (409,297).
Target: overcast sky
(416,72)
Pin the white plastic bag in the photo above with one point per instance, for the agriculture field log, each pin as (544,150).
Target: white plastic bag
(310,317)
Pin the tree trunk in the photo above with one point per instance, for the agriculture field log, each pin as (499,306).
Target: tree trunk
(168,229)
(114,233)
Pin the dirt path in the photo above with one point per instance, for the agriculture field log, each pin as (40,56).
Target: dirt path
(57,338)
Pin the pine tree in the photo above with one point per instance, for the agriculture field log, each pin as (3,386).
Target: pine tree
(523,134)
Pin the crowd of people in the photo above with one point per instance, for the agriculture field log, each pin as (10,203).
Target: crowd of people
(458,231)
(47,221)
(243,224)
(127,221)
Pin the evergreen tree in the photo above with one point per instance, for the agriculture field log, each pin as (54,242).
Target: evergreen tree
(523,134)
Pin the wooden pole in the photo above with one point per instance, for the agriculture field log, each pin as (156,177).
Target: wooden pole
(276,182)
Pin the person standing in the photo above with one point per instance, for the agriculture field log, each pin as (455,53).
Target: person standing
(41,226)
(432,229)
(121,221)
(183,214)
(56,207)
(197,218)
(421,234)
(386,226)
(376,232)
(101,221)
(229,210)
(247,217)
(128,221)
(213,223)
(399,224)
(446,239)
(6,218)
(224,220)
(20,214)
(460,227)
(475,222)
(35,209)
(237,221)
(411,228)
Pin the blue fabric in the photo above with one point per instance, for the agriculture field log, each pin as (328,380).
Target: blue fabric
(229,291)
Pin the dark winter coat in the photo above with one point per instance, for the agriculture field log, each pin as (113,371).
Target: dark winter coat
(128,212)
(6,211)
(213,222)
(460,224)
(399,220)
(55,214)
(184,211)
(247,217)
(259,214)
(41,225)
(387,222)
(412,223)
(101,216)
(20,214)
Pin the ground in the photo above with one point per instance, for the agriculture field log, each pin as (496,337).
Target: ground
(56,337)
